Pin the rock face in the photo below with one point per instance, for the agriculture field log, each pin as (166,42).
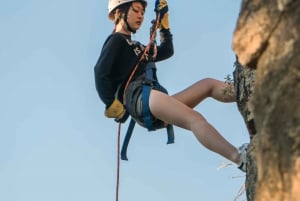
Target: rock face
(267,81)
(244,82)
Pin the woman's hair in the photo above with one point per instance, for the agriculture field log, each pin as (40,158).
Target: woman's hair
(124,8)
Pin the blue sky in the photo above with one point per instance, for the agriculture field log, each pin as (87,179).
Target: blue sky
(56,144)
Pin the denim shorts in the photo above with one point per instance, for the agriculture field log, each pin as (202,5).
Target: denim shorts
(134,103)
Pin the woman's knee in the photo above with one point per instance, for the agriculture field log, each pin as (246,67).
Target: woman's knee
(209,84)
(196,123)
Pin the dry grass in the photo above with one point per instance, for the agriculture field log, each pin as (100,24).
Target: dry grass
(240,193)
(229,89)
(242,190)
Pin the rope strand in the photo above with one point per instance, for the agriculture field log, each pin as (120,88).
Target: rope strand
(152,37)
(118,162)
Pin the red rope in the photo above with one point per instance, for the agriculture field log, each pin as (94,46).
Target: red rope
(152,37)
(118,162)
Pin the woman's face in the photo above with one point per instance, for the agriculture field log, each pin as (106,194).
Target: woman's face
(135,15)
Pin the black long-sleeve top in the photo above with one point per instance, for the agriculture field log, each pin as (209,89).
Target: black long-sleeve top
(118,57)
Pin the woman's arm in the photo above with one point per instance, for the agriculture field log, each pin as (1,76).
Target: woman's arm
(165,50)
(104,79)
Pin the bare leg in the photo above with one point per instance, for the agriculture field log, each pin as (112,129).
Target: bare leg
(172,111)
(202,89)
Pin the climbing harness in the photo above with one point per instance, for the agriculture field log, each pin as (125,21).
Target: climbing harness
(148,84)
(140,92)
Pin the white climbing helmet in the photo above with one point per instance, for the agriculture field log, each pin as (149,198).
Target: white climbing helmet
(113,4)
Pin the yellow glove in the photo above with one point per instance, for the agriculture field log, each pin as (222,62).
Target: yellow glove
(115,110)
(165,21)
(161,7)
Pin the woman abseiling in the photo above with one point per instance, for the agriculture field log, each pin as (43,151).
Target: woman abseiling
(119,56)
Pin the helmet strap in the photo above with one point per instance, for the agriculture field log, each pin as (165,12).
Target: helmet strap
(126,22)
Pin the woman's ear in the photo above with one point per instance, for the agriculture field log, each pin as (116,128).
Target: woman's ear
(118,14)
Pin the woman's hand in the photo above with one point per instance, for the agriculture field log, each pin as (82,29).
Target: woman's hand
(161,8)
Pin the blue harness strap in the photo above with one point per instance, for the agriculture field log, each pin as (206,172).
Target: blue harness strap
(149,83)
(170,132)
(146,110)
(127,139)
(148,117)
